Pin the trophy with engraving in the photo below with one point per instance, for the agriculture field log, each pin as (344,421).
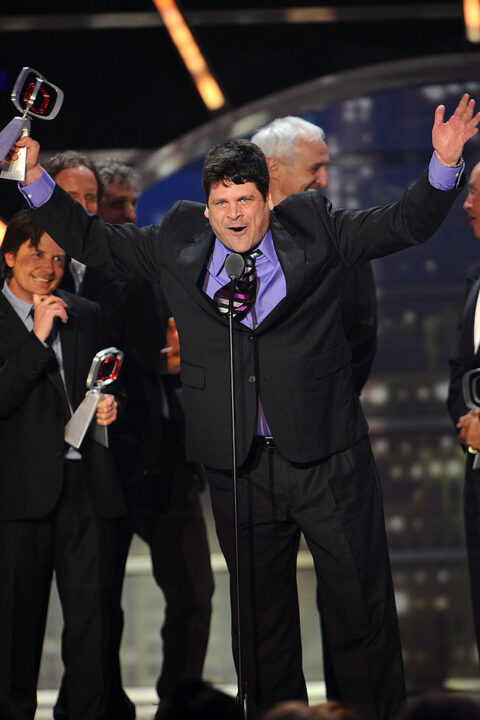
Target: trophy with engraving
(471,395)
(33,96)
(104,370)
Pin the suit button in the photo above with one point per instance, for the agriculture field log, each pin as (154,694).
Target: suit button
(252,379)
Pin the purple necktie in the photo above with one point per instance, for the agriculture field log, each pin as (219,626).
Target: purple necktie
(245,288)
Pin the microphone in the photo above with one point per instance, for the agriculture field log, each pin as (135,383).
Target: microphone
(234,266)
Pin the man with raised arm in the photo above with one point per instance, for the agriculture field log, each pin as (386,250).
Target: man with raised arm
(303,453)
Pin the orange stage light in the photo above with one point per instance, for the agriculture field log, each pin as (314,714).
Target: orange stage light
(197,66)
(471,14)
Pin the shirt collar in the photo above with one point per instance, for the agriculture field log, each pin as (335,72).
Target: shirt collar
(220,253)
(21,307)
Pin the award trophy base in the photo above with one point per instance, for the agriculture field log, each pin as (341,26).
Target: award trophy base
(16,128)
(103,371)
(79,423)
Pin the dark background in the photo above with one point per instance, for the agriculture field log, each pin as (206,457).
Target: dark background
(127,87)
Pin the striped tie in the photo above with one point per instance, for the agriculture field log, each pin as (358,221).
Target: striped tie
(245,289)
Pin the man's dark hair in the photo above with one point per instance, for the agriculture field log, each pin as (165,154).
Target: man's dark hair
(19,230)
(238,162)
(71,159)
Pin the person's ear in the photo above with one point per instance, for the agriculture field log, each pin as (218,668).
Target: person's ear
(270,201)
(9,259)
(205,212)
(273,164)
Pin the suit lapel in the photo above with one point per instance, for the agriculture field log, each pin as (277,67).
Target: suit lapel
(468,320)
(192,262)
(17,331)
(292,260)
(14,325)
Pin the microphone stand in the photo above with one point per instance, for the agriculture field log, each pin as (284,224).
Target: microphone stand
(234,266)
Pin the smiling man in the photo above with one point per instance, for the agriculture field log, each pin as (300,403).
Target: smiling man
(297,158)
(59,507)
(304,458)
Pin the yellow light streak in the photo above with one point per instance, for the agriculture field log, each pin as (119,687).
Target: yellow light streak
(471,14)
(190,53)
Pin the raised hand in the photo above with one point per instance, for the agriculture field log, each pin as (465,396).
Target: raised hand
(45,309)
(33,169)
(449,137)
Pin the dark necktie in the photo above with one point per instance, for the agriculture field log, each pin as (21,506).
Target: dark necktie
(245,289)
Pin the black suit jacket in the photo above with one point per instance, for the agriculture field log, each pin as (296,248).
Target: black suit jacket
(359,317)
(464,357)
(297,359)
(34,410)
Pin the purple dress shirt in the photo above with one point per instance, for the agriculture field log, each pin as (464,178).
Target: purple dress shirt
(271,288)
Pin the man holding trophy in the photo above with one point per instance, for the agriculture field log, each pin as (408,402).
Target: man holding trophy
(60,506)
(303,455)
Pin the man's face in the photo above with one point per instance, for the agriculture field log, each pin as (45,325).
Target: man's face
(118,203)
(307,170)
(238,214)
(36,270)
(472,202)
(81,184)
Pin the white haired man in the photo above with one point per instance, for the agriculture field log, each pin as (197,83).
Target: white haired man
(297,159)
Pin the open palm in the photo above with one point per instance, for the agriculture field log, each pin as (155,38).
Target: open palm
(449,137)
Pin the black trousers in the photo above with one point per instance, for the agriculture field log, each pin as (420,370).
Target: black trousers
(78,545)
(472,534)
(337,504)
(165,511)
(170,520)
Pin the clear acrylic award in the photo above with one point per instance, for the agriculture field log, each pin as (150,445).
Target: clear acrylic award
(104,370)
(33,96)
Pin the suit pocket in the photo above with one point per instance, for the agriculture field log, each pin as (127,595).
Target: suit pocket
(329,362)
(192,376)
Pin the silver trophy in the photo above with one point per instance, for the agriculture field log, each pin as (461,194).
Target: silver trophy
(33,96)
(104,370)
(471,395)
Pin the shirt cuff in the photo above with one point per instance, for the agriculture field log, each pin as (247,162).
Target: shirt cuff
(39,191)
(442,177)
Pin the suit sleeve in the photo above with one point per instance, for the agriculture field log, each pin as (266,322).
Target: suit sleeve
(362,235)
(128,250)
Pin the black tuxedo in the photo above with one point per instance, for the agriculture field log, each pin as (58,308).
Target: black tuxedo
(464,359)
(321,479)
(55,514)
